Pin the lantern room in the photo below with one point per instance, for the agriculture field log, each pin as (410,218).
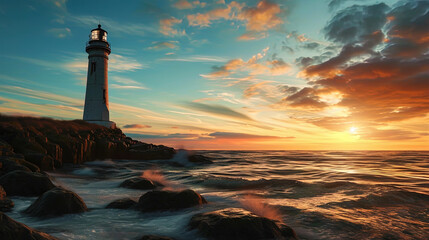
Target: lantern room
(98,34)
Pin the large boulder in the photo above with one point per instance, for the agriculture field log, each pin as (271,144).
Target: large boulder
(13,230)
(16,162)
(237,223)
(22,183)
(56,202)
(44,161)
(5,203)
(169,200)
(139,183)
(123,203)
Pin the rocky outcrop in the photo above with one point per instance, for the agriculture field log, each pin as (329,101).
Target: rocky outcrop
(56,202)
(13,230)
(49,143)
(5,203)
(139,183)
(24,183)
(123,203)
(237,223)
(169,200)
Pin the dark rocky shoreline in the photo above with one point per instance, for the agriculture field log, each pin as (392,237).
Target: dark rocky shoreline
(29,146)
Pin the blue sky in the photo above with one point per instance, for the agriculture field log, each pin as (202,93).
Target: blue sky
(215,74)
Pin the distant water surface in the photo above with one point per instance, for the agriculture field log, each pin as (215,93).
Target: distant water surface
(320,194)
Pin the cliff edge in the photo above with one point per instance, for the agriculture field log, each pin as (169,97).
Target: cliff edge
(49,143)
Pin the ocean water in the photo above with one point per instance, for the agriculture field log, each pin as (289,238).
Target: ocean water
(320,194)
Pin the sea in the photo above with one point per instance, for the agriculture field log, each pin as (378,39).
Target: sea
(320,194)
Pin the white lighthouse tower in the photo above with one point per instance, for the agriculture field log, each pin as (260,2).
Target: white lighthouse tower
(96,108)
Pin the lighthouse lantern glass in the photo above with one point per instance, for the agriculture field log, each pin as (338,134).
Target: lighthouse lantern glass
(94,35)
(105,36)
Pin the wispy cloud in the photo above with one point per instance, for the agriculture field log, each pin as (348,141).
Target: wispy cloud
(60,32)
(217,110)
(195,58)
(166,27)
(114,26)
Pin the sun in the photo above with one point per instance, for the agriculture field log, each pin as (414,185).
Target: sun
(353,130)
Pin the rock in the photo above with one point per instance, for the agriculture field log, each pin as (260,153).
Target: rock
(197,158)
(45,162)
(22,183)
(237,223)
(12,163)
(123,203)
(5,203)
(13,230)
(139,183)
(56,202)
(169,200)
(154,237)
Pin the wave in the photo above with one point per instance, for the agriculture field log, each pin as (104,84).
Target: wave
(391,198)
(241,183)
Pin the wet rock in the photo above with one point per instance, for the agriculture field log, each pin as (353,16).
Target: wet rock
(169,200)
(22,183)
(56,202)
(44,161)
(13,230)
(16,162)
(200,159)
(123,203)
(154,237)
(237,223)
(5,203)
(139,183)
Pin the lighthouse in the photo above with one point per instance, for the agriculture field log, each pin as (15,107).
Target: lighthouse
(96,109)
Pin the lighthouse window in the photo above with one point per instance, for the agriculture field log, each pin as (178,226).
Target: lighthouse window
(93,67)
(104,95)
(94,35)
(105,36)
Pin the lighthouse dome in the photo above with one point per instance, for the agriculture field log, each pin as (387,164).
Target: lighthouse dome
(98,34)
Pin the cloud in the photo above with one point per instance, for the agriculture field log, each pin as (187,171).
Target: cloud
(37,94)
(140,126)
(353,23)
(164,45)
(194,58)
(258,20)
(349,51)
(217,110)
(378,82)
(166,27)
(183,4)
(60,32)
(263,17)
(120,63)
(254,66)
(235,135)
(124,28)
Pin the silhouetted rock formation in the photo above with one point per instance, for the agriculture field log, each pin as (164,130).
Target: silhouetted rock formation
(24,183)
(56,202)
(49,143)
(5,203)
(237,223)
(139,183)
(169,200)
(13,230)
(123,203)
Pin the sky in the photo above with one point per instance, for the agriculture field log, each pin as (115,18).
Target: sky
(230,75)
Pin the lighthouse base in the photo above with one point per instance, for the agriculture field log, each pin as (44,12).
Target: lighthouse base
(108,124)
